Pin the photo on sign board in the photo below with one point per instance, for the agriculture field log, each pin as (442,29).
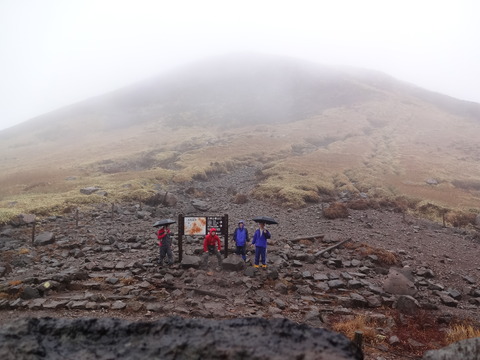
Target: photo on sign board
(195,226)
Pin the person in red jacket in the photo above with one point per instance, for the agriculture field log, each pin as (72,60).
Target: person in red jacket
(211,246)
(164,236)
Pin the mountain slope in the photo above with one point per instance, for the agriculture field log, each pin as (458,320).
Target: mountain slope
(310,129)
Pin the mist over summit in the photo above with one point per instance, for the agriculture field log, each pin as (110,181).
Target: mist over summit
(235,90)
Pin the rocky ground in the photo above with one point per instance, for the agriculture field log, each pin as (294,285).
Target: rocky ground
(171,338)
(104,265)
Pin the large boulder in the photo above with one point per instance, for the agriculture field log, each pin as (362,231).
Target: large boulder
(190,261)
(407,304)
(171,338)
(465,350)
(44,238)
(233,263)
(398,283)
(200,205)
(23,219)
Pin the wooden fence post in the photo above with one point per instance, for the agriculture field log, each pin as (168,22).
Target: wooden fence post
(358,339)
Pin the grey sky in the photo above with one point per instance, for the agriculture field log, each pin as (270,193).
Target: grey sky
(56,52)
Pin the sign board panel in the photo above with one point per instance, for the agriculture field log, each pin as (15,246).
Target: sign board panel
(195,225)
(215,222)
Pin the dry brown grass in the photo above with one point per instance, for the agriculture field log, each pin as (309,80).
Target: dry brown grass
(362,204)
(431,211)
(421,328)
(361,323)
(127,281)
(355,150)
(462,332)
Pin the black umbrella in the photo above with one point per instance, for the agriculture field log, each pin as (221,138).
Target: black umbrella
(265,220)
(164,222)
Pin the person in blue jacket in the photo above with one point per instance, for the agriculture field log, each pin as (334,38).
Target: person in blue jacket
(260,241)
(240,236)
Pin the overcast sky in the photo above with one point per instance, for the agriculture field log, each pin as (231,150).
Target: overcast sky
(57,52)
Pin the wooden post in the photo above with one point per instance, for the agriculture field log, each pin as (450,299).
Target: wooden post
(443,218)
(33,231)
(76,217)
(225,234)
(358,339)
(181,226)
(113,209)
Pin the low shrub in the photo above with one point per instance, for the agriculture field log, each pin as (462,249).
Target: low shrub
(336,211)
(385,257)
(459,219)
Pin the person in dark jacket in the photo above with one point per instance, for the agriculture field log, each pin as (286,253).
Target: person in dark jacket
(164,236)
(240,236)
(211,246)
(260,241)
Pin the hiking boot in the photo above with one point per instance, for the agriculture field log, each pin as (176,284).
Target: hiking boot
(264,266)
(256,266)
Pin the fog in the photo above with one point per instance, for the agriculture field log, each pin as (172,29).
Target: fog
(54,52)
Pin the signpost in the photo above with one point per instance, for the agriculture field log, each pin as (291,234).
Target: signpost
(200,226)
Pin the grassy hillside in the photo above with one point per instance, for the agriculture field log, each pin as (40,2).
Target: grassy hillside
(312,132)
